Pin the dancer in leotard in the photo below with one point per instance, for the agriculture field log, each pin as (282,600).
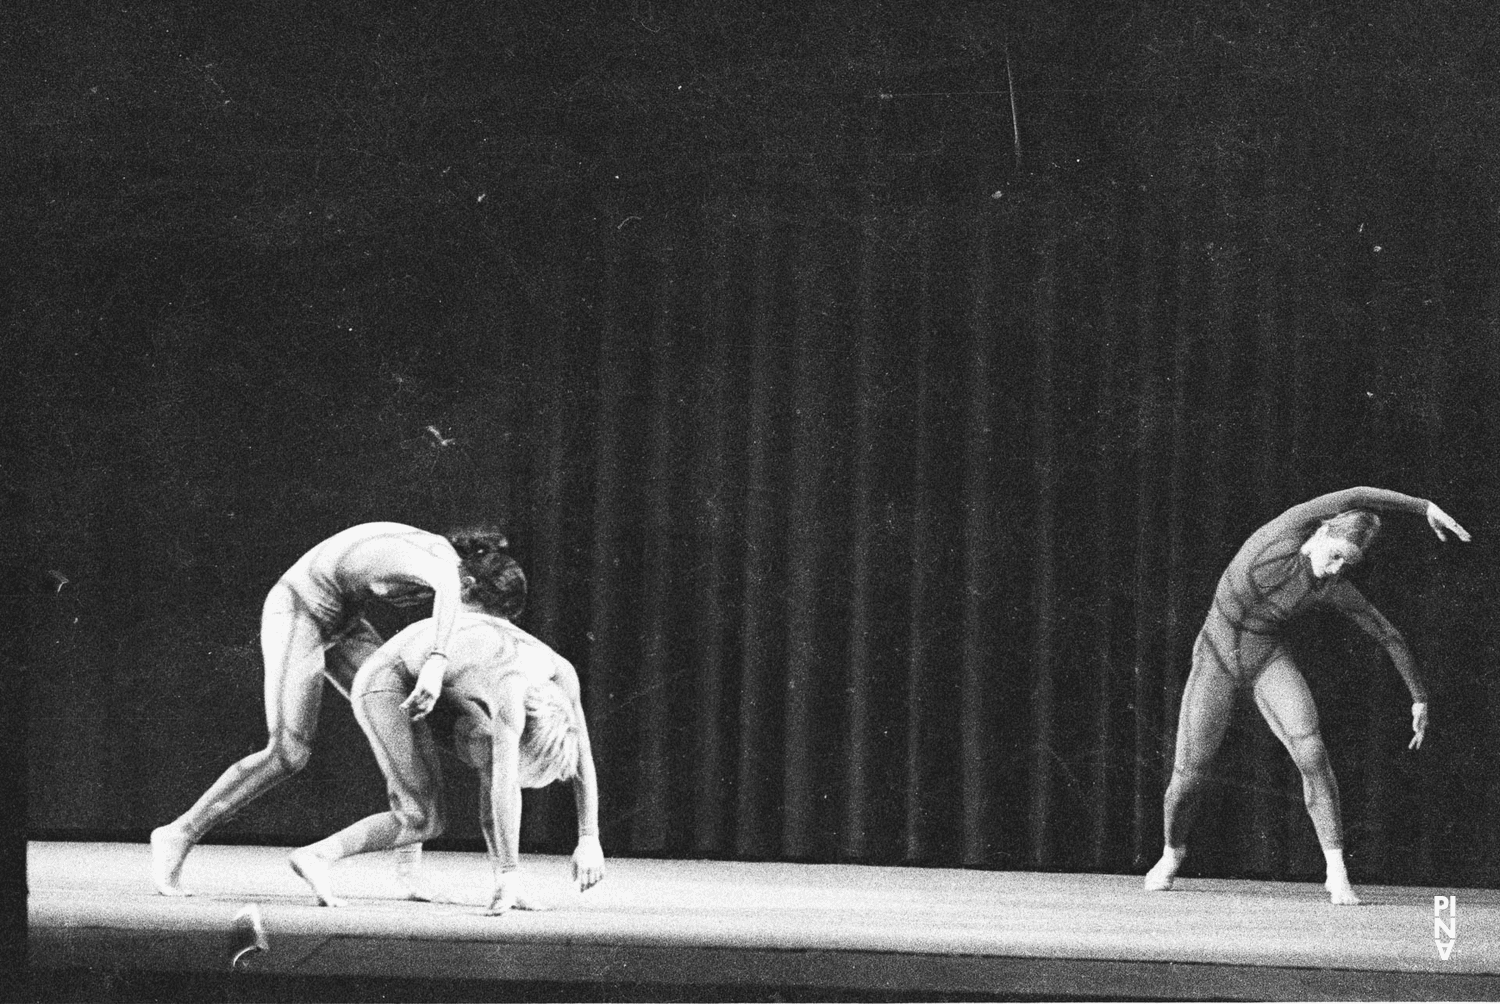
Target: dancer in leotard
(519,723)
(1287,566)
(312,626)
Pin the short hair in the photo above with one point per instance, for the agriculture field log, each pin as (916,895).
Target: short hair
(549,742)
(1359,527)
(494,582)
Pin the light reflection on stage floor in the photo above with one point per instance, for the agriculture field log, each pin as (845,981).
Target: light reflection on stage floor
(846,928)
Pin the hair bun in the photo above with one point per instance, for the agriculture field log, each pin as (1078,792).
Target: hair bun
(495,583)
(476,542)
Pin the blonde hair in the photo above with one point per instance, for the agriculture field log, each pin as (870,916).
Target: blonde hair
(1358,526)
(549,743)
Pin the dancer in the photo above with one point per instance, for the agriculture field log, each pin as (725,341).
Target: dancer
(519,723)
(312,626)
(1287,566)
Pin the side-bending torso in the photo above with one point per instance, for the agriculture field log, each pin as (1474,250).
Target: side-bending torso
(1270,581)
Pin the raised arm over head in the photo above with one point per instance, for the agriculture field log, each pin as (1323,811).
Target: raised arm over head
(1325,507)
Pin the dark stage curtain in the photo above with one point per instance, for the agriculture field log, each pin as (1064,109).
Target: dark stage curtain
(878,497)
(884,536)
(888,536)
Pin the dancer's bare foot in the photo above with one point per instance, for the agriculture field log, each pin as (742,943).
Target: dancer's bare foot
(315,871)
(511,894)
(412,878)
(418,890)
(1164,872)
(1340,892)
(169,849)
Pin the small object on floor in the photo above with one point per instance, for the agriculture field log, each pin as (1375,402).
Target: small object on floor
(247,935)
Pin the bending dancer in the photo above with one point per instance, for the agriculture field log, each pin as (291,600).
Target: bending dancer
(1287,566)
(312,626)
(519,723)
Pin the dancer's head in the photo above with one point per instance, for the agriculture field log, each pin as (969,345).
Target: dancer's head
(476,541)
(1341,541)
(494,583)
(549,743)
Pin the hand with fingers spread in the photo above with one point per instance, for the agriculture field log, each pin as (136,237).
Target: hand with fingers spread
(588,863)
(1418,725)
(1440,521)
(429,685)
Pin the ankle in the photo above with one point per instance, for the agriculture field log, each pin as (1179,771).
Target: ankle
(177,831)
(327,855)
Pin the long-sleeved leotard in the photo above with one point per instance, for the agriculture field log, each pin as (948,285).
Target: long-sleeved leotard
(399,564)
(495,669)
(492,660)
(1269,582)
(312,627)
(483,652)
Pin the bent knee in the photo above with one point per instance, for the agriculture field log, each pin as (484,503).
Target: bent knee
(424,821)
(290,752)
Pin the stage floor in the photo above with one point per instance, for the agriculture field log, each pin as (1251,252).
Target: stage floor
(847,929)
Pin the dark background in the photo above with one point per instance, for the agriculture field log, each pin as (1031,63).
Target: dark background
(874,469)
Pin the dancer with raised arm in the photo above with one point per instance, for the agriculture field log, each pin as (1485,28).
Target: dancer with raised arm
(312,627)
(519,723)
(1286,567)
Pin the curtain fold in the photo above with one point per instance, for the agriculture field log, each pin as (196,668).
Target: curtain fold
(1044,602)
(709,606)
(913,464)
(882,535)
(980,612)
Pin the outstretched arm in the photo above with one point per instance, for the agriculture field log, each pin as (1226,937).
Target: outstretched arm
(1352,604)
(1378,499)
(505,793)
(588,858)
